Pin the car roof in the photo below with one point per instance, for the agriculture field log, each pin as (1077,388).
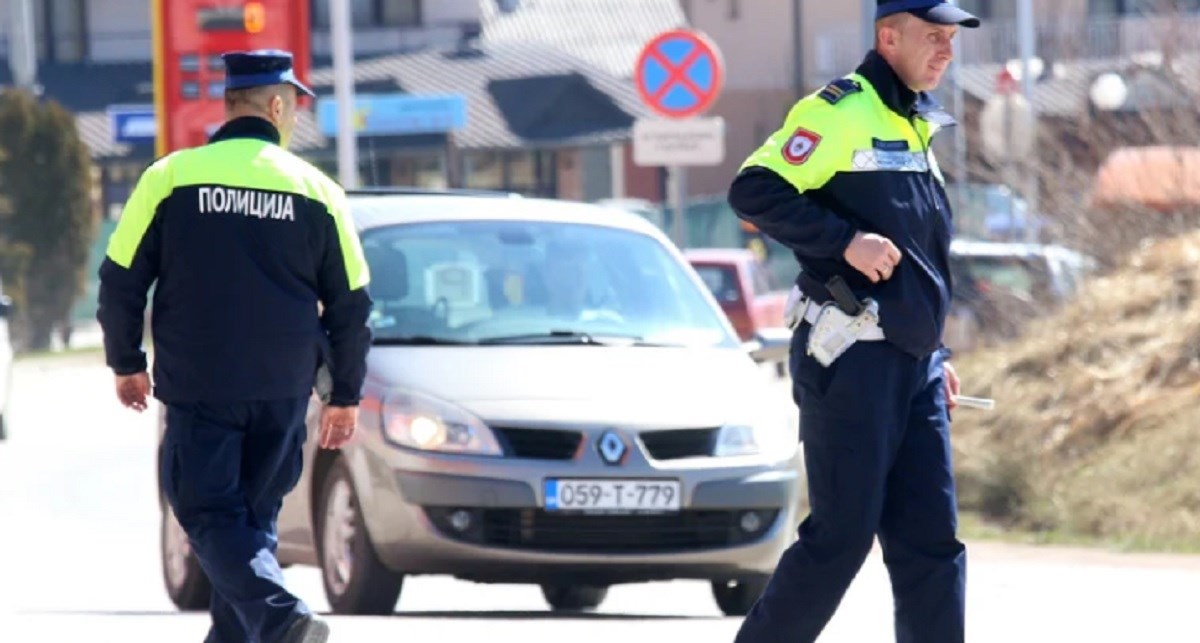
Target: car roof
(1005,249)
(719,255)
(378,209)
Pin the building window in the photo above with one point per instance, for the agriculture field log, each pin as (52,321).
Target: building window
(68,28)
(421,172)
(522,172)
(400,13)
(530,173)
(318,14)
(42,39)
(1106,7)
(371,13)
(484,171)
(362,13)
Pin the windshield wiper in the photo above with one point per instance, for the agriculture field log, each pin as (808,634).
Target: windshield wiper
(418,340)
(566,337)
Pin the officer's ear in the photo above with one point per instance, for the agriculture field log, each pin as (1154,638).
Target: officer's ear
(277,106)
(888,30)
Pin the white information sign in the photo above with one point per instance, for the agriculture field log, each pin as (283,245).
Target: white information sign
(674,143)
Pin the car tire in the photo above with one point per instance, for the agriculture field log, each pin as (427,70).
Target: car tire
(355,580)
(187,585)
(574,598)
(735,598)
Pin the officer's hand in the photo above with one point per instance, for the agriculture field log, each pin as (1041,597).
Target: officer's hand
(873,255)
(337,425)
(133,390)
(953,386)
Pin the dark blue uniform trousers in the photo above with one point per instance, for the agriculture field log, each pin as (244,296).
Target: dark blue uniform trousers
(877,451)
(225,470)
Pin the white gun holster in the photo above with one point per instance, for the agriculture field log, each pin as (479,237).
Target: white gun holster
(833,331)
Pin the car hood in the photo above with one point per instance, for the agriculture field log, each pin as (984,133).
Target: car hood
(655,386)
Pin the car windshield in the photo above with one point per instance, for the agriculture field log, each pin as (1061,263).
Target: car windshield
(495,282)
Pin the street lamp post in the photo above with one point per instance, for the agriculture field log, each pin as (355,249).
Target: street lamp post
(1027,46)
(343,89)
(22,54)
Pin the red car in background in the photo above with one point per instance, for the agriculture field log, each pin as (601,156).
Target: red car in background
(742,286)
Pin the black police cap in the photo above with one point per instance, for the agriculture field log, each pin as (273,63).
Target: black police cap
(261,67)
(935,11)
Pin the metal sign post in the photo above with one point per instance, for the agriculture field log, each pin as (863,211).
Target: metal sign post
(679,75)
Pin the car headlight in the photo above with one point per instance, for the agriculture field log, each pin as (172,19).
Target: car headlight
(777,437)
(422,422)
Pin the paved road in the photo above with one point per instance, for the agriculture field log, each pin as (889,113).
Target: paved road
(79,561)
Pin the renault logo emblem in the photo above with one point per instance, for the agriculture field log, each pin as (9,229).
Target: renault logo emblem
(611,447)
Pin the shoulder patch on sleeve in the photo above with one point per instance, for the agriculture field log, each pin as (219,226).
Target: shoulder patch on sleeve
(839,89)
(800,145)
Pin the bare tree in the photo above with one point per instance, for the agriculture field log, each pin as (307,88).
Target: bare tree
(1110,180)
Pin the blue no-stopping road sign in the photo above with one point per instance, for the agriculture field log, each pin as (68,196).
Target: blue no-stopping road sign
(679,74)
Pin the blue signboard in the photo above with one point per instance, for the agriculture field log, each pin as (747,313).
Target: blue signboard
(133,124)
(395,114)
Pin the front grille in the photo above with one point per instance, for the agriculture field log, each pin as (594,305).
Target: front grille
(536,529)
(539,444)
(679,443)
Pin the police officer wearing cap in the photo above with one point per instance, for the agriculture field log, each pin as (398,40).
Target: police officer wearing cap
(259,280)
(850,185)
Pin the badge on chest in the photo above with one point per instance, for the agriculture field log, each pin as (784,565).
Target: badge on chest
(890,156)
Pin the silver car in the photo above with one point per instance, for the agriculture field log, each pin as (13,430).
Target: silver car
(552,397)
(6,359)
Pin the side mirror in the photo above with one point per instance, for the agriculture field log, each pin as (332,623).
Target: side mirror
(770,345)
(6,306)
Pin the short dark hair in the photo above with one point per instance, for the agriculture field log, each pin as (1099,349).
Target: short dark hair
(257,96)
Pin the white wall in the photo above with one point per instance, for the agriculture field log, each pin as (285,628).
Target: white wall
(755,39)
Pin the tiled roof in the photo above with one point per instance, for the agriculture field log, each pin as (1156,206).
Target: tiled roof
(95,130)
(609,34)
(517,94)
(1064,89)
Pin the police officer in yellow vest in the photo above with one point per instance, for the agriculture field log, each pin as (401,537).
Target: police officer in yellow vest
(259,278)
(850,185)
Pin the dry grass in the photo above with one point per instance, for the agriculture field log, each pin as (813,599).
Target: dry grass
(1097,426)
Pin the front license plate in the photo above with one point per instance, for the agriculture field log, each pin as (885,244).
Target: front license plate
(613,495)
